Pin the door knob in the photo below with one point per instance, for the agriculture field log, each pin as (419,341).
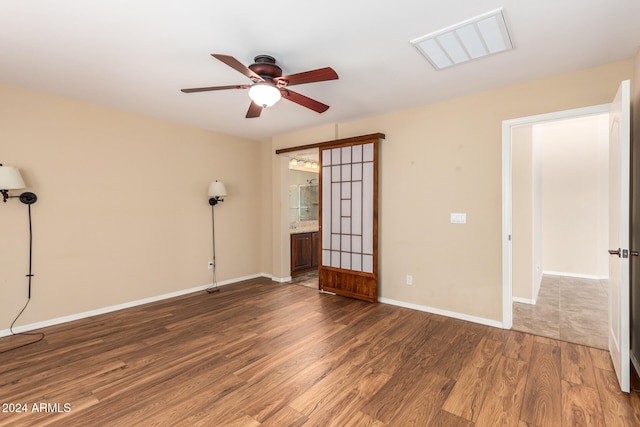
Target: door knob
(635,253)
(614,252)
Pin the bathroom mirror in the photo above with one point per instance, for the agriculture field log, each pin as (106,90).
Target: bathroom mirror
(303,196)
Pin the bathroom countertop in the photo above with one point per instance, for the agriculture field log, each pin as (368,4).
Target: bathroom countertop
(303,227)
(303,230)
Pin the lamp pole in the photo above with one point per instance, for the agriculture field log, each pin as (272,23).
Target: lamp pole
(213,201)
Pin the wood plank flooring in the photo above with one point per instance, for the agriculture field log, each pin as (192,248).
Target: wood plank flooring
(259,353)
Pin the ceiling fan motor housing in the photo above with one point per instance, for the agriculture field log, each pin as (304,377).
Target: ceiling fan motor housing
(265,66)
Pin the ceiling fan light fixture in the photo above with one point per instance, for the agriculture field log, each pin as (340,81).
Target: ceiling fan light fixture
(264,94)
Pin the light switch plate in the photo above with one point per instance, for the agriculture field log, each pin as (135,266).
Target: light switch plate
(458,218)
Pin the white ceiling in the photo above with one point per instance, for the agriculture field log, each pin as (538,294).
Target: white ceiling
(136,55)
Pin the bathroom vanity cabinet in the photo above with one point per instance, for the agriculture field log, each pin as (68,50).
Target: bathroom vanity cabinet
(304,252)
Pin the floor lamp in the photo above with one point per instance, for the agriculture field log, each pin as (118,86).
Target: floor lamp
(217,190)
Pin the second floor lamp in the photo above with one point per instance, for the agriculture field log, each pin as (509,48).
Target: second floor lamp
(216,193)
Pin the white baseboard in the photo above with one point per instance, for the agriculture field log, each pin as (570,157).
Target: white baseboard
(524,300)
(72,317)
(460,316)
(577,275)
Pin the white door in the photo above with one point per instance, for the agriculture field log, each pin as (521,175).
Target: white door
(619,172)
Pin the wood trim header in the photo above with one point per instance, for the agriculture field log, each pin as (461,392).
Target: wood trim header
(344,141)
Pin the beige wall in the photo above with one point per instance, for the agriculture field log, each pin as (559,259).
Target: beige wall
(447,158)
(575,201)
(526,207)
(265,215)
(122,210)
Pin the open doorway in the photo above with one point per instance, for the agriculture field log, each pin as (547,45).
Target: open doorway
(557,258)
(303,205)
(347,246)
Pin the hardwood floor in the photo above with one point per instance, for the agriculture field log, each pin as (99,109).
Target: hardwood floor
(259,353)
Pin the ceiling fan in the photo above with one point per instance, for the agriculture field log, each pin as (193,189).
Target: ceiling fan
(269,85)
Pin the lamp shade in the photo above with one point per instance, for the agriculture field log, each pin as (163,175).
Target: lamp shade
(10,178)
(264,94)
(217,189)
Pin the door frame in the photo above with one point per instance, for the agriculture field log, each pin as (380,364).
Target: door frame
(282,247)
(507,202)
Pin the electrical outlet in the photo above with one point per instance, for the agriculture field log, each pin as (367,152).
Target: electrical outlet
(409,279)
(210,265)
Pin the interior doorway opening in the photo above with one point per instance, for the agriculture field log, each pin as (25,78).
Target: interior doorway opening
(528,266)
(303,215)
(347,239)
(560,187)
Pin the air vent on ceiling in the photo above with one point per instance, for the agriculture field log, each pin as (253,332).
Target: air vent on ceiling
(474,38)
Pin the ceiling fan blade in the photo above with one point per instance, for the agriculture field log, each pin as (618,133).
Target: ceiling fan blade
(254,111)
(304,101)
(206,89)
(238,66)
(319,75)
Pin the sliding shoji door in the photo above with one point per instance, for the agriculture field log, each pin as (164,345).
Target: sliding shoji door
(349,218)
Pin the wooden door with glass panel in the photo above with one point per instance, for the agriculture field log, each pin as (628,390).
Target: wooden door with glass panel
(349,218)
